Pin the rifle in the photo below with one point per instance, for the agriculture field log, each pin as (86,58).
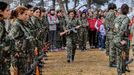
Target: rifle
(13,69)
(122,68)
(69,30)
(35,64)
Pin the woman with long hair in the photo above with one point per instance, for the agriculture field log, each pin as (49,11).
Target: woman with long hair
(20,34)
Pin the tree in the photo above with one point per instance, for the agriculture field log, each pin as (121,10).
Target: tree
(89,2)
(25,1)
(8,1)
(61,4)
(54,1)
(76,3)
(100,2)
(41,3)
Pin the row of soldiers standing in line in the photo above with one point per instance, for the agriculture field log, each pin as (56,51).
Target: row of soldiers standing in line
(24,32)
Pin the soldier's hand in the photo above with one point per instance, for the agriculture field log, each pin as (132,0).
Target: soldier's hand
(5,60)
(66,31)
(132,52)
(77,27)
(123,42)
(16,54)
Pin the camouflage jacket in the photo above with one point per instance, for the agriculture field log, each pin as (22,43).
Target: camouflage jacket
(109,19)
(36,22)
(72,23)
(30,24)
(44,21)
(6,44)
(121,28)
(62,23)
(3,32)
(84,23)
(21,34)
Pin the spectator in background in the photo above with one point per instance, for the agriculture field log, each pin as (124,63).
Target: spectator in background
(53,21)
(102,33)
(83,31)
(92,30)
(97,26)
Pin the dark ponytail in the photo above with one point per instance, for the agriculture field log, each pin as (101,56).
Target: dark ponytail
(13,14)
(3,6)
(124,9)
(17,11)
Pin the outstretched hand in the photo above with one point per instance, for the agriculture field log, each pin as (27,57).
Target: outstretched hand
(77,27)
(123,42)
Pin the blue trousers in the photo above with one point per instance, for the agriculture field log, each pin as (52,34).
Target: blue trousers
(52,39)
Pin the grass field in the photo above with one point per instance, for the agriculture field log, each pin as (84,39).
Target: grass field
(90,62)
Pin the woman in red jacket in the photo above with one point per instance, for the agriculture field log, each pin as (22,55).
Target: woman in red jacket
(92,30)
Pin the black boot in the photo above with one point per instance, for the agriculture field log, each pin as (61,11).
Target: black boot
(129,61)
(72,58)
(112,65)
(68,61)
(68,58)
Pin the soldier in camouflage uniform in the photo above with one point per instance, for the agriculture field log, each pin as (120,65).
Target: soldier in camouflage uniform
(60,28)
(44,21)
(71,35)
(36,22)
(31,29)
(83,32)
(121,36)
(5,49)
(30,22)
(20,33)
(39,34)
(109,34)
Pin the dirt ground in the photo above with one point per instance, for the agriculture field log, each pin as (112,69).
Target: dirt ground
(91,62)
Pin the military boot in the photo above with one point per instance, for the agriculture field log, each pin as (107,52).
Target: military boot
(68,58)
(72,57)
(112,64)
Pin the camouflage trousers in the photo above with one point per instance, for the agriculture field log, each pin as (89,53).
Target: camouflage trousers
(122,51)
(71,47)
(83,38)
(109,37)
(108,41)
(5,68)
(21,64)
(110,48)
(58,40)
(112,52)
